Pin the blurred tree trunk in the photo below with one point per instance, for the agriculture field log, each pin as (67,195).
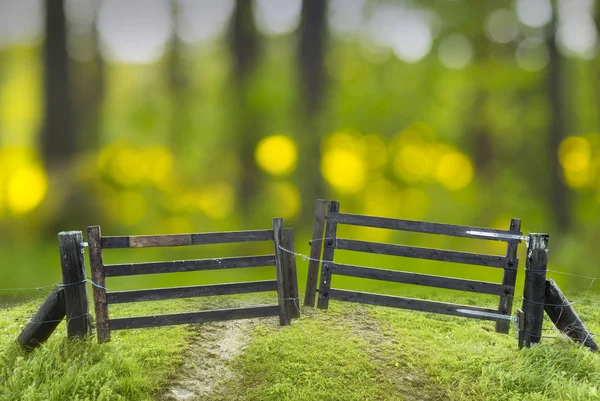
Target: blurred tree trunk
(244,48)
(313,76)
(58,134)
(554,89)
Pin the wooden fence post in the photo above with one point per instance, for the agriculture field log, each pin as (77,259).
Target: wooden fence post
(328,252)
(73,274)
(509,278)
(98,277)
(284,318)
(290,276)
(535,288)
(45,320)
(316,245)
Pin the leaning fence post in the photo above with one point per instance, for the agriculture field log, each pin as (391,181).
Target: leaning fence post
(535,288)
(73,274)
(316,245)
(328,252)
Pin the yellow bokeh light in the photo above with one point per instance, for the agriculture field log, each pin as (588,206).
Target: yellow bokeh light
(346,140)
(286,199)
(580,178)
(414,204)
(26,188)
(160,161)
(20,102)
(575,154)
(344,170)
(129,208)
(276,154)
(217,200)
(381,198)
(455,171)
(375,151)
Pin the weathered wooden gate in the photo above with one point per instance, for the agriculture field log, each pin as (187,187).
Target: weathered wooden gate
(285,285)
(330,242)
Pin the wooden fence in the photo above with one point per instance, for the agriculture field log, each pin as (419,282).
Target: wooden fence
(285,284)
(329,242)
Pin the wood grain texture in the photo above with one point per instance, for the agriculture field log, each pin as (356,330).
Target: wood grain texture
(193,317)
(482,287)
(45,320)
(119,297)
(316,246)
(284,318)
(417,226)
(98,277)
(146,241)
(424,253)
(535,287)
(328,254)
(408,303)
(509,278)
(289,275)
(179,266)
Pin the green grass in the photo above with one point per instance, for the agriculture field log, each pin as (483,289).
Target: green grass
(349,352)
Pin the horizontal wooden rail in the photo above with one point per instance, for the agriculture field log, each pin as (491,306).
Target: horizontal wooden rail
(193,317)
(190,292)
(147,241)
(179,266)
(410,303)
(425,253)
(418,226)
(482,287)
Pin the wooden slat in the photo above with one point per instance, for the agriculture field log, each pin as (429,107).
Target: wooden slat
(418,226)
(179,266)
(98,276)
(425,253)
(190,292)
(482,287)
(316,247)
(193,317)
(147,241)
(328,254)
(408,303)
(509,278)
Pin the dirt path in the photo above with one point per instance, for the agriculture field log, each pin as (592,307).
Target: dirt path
(206,365)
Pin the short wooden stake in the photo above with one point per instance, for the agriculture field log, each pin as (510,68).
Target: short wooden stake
(284,318)
(45,320)
(534,292)
(328,252)
(290,276)
(565,318)
(73,273)
(316,245)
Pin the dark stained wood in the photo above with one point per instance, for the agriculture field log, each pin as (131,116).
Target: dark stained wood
(73,274)
(145,241)
(509,279)
(535,287)
(424,253)
(289,274)
(422,279)
(328,253)
(188,265)
(316,246)
(45,320)
(417,226)
(565,318)
(284,318)
(193,317)
(522,332)
(190,292)
(408,303)
(98,277)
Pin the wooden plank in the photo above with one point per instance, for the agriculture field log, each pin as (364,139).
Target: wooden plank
(328,253)
(284,317)
(424,253)
(482,287)
(509,278)
(409,303)
(45,320)
(190,292)
(98,277)
(146,241)
(73,275)
(193,317)
(316,246)
(418,226)
(178,266)
(534,291)
(289,274)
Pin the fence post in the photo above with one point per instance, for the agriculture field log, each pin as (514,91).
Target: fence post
(535,288)
(330,233)
(509,278)
(284,318)
(289,274)
(73,273)
(99,279)
(316,245)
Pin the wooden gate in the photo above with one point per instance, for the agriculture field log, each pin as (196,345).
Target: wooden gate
(285,285)
(330,242)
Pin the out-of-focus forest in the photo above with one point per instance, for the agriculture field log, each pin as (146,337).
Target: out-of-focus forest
(158,116)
